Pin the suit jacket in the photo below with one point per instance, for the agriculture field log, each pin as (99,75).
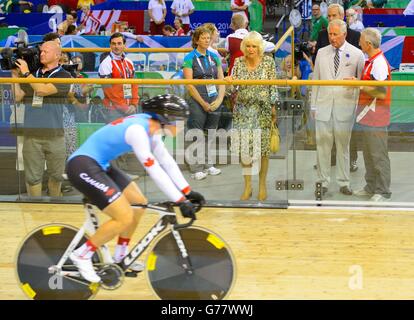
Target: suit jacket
(339,101)
(352,37)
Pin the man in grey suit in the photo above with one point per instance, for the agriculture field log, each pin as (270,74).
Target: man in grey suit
(334,107)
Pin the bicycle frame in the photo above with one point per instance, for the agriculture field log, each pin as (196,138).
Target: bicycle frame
(167,218)
(91,224)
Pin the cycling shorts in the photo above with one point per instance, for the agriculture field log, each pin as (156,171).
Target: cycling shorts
(99,186)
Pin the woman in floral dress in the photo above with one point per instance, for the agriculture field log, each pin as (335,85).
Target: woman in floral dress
(254,112)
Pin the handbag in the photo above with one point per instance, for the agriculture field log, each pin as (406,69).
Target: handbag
(274,138)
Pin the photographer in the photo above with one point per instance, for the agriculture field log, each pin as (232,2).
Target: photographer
(43,124)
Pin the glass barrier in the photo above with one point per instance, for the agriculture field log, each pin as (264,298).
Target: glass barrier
(37,136)
(40,134)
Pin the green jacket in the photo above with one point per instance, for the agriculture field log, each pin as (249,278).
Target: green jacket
(318,25)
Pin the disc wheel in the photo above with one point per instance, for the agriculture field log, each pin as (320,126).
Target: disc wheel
(43,248)
(213,269)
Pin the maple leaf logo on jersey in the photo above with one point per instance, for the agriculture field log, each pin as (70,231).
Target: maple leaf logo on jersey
(117,121)
(110,192)
(149,162)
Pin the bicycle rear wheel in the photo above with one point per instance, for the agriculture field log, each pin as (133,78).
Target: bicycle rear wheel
(43,248)
(213,267)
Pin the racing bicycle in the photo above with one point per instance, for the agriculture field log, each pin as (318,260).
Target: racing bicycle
(184,261)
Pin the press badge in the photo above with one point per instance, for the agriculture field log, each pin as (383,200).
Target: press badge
(211,90)
(127,91)
(37,101)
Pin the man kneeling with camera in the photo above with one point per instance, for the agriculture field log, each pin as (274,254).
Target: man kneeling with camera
(43,120)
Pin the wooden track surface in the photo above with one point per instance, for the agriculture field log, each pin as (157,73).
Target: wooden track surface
(281,254)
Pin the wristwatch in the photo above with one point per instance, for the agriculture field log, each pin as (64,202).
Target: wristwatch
(26,74)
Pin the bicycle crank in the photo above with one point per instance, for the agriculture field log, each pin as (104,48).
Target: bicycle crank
(112,276)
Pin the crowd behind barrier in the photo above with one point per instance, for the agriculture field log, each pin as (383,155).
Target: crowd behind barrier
(90,107)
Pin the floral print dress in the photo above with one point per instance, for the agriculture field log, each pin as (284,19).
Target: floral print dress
(252,114)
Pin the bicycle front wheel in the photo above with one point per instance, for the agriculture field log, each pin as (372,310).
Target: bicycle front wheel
(212,269)
(43,248)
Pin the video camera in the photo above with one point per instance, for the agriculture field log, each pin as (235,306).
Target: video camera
(22,51)
(300,49)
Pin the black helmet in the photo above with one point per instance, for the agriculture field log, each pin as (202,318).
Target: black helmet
(166,108)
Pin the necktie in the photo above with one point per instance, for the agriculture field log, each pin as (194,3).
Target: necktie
(336,61)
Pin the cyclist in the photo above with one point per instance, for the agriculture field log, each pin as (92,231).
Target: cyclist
(110,189)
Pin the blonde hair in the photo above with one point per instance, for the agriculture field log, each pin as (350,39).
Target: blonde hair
(255,38)
(284,62)
(211,27)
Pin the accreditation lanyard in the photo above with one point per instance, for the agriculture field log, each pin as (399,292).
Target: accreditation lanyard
(125,73)
(211,88)
(38,100)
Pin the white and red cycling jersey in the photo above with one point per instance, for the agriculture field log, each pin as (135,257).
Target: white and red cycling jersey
(132,134)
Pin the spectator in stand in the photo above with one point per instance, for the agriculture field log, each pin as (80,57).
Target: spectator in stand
(79,93)
(129,35)
(157,11)
(63,27)
(240,7)
(286,73)
(178,24)
(69,124)
(204,101)
(120,99)
(183,9)
(319,22)
(43,120)
(336,11)
(168,31)
(233,41)
(214,37)
(373,118)
(89,24)
(352,20)
(52,36)
(71,31)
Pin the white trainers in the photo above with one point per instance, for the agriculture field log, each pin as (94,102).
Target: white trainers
(379,198)
(85,268)
(199,175)
(362,193)
(213,171)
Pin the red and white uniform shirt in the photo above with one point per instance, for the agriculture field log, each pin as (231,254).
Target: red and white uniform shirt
(371,111)
(232,45)
(118,96)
